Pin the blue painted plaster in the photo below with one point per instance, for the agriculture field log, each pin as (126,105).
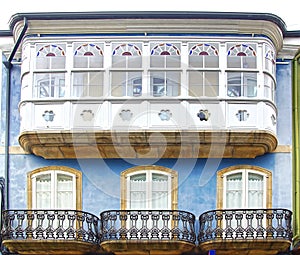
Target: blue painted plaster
(14,101)
(101,180)
(284,103)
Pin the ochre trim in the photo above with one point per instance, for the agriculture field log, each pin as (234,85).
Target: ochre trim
(78,176)
(283,149)
(220,188)
(174,183)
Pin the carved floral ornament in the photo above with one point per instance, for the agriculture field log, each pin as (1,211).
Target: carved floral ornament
(242,115)
(48,115)
(165,115)
(87,115)
(126,115)
(203,115)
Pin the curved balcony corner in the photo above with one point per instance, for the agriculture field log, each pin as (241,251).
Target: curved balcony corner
(50,232)
(257,231)
(155,232)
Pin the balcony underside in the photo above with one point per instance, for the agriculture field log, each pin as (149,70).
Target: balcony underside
(249,247)
(146,247)
(55,247)
(148,144)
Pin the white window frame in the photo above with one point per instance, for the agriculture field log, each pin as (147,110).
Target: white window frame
(245,174)
(53,183)
(148,183)
(172,184)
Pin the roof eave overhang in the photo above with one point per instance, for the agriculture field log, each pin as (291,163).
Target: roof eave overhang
(267,25)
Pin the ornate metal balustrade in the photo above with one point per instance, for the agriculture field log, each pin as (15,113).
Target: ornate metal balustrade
(148,225)
(50,224)
(245,224)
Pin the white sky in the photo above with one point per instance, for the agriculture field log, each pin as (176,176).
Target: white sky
(287,10)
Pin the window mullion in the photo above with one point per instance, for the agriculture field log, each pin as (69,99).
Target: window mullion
(53,190)
(107,63)
(149,190)
(245,188)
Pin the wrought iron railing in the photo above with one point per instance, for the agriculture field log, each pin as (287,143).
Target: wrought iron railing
(50,224)
(148,225)
(245,224)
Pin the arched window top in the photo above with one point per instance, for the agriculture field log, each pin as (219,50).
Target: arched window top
(67,186)
(127,49)
(88,49)
(203,49)
(51,50)
(242,168)
(42,170)
(139,169)
(165,49)
(270,55)
(241,50)
(162,188)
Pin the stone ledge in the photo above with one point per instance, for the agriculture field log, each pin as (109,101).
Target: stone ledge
(249,247)
(46,247)
(148,144)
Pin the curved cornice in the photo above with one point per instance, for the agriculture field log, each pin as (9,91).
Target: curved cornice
(149,144)
(152,22)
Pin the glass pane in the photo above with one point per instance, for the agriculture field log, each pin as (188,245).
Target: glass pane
(249,62)
(165,83)
(134,84)
(117,84)
(126,84)
(127,61)
(269,87)
(88,55)
(158,61)
(158,83)
(196,84)
(64,191)
(159,191)
(255,190)
(234,191)
(138,187)
(88,61)
(204,61)
(196,61)
(43,63)
(49,85)
(211,84)
(53,62)
(250,84)
(234,84)
(87,84)
(159,177)
(163,61)
(43,191)
(173,84)
(134,61)
(241,56)
(211,61)
(127,55)
(234,62)
(173,61)
(138,177)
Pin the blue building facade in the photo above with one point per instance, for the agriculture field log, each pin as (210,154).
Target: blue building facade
(230,161)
